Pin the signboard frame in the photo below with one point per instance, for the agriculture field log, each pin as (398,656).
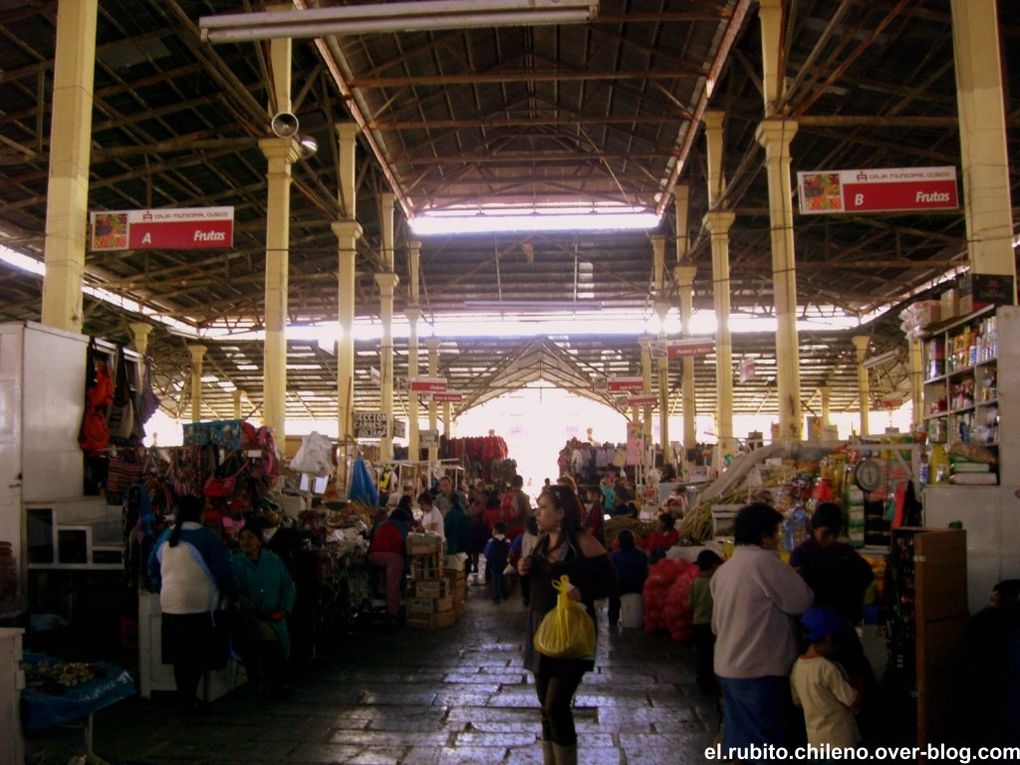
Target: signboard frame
(184,228)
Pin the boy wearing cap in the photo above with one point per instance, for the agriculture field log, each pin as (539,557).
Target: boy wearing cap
(821,688)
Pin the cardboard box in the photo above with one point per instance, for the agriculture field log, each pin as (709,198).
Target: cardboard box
(949,304)
(432,621)
(978,291)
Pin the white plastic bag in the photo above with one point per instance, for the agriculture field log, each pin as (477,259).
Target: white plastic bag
(315,456)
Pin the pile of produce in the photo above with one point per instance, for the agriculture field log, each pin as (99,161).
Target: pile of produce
(56,679)
(665,598)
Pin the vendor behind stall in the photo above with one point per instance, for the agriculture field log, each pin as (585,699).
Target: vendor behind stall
(267,596)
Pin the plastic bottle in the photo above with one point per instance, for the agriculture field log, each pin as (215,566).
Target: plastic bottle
(923,474)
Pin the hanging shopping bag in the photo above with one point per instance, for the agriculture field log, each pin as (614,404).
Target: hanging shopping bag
(566,632)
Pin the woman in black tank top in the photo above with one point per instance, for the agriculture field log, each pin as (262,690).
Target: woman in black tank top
(562,549)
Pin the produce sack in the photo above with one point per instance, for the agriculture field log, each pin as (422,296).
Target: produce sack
(566,632)
(661,578)
(677,607)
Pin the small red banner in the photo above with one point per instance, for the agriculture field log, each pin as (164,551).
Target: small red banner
(626,383)
(428,384)
(645,399)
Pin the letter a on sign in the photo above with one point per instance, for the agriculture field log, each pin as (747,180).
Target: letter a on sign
(147,239)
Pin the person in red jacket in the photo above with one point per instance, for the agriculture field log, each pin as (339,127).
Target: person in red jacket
(662,538)
(386,551)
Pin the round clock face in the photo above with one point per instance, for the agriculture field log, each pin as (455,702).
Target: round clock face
(868,475)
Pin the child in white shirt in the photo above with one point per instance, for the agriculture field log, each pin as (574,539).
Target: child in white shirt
(821,688)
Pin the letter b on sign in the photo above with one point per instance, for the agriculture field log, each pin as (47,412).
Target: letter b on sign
(858,199)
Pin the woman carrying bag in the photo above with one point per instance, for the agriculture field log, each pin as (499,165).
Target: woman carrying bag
(563,550)
(192,572)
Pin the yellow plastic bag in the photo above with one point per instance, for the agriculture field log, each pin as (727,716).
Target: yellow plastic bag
(566,632)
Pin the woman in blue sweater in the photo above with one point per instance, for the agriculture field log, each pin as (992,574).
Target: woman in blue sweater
(190,569)
(267,596)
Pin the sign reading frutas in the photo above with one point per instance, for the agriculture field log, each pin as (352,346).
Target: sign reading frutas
(192,228)
(880,190)
(371,424)
(428,384)
(626,383)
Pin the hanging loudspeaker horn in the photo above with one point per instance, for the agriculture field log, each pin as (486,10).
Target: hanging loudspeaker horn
(284,125)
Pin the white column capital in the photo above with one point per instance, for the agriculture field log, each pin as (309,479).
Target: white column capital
(387,282)
(281,149)
(413,313)
(662,308)
(645,341)
(685,275)
(713,119)
(140,335)
(861,343)
(347,131)
(433,344)
(775,135)
(718,222)
(347,229)
(197,353)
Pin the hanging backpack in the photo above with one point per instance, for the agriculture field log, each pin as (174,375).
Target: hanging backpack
(148,401)
(121,418)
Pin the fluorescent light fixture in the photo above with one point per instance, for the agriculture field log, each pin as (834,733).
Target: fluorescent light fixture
(539,219)
(393,17)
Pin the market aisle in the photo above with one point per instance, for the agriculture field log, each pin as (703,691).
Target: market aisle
(458,695)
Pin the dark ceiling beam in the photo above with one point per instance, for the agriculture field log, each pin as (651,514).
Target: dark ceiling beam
(499,77)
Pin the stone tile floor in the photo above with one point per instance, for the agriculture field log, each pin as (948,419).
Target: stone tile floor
(457,695)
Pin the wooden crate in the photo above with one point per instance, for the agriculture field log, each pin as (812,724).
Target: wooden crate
(426,568)
(425,544)
(432,621)
(429,605)
(434,588)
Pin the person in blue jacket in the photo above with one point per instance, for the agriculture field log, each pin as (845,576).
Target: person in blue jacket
(191,570)
(267,596)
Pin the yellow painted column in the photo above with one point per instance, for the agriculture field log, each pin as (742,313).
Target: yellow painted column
(775,136)
(413,440)
(447,420)
(387,283)
(825,392)
(661,310)
(140,336)
(433,345)
(281,154)
(238,396)
(979,98)
(197,354)
(67,191)
(863,383)
(413,313)
(916,383)
(348,232)
(718,223)
(684,274)
(646,374)
(770,15)
(685,279)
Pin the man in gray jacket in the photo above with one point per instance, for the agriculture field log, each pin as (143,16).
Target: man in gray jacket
(757,601)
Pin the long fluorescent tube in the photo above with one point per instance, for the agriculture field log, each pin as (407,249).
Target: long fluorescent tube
(393,17)
(426,225)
